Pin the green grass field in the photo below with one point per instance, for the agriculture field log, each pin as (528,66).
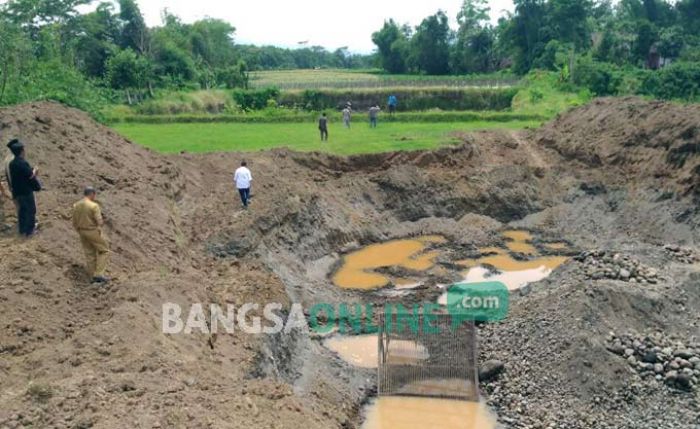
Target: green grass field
(539,99)
(224,137)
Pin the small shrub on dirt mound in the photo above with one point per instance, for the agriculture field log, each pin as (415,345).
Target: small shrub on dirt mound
(679,81)
(40,392)
(256,99)
(210,102)
(55,81)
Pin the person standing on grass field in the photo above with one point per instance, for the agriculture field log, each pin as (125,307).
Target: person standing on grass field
(347,116)
(23,183)
(393,102)
(243,177)
(373,114)
(88,221)
(323,127)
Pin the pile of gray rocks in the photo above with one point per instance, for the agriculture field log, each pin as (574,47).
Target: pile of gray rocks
(601,264)
(670,362)
(682,254)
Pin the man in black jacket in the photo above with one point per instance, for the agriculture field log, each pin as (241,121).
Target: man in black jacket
(323,127)
(23,182)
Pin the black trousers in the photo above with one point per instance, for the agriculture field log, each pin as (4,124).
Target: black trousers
(26,214)
(324,134)
(245,196)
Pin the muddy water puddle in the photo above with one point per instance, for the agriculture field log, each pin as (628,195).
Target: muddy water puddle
(516,264)
(519,242)
(556,246)
(358,269)
(505,262)
(398,412)
(514,273)
(523,259)
(513,280)
(362,350)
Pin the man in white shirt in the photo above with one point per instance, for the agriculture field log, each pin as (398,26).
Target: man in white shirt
(373,113)
(242,177)
(347,116)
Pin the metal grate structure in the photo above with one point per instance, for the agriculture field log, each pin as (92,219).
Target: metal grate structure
(439,364)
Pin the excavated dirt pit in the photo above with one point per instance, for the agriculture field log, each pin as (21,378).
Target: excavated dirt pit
(415,269)
(601,203)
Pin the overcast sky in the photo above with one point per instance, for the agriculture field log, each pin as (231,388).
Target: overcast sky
(328,23)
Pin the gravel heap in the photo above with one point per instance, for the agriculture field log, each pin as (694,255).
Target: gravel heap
(601,264)
(655,357)
(682,254)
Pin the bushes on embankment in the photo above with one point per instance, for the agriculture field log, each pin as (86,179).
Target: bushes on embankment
(678,81)
(410,99)
(241,101)
(279,115)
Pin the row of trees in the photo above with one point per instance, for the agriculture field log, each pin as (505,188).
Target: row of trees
(48,49)
(113,48)
(544,34)
(275,58)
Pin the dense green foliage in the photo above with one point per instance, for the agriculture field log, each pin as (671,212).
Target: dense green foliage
(213,102)
(608,47)
(33,36)
(48,50)
(677,81)
(276,58)
(410,99)
(272,105)
(107,55)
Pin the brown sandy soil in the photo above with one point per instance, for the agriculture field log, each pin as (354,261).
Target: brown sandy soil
(618,175)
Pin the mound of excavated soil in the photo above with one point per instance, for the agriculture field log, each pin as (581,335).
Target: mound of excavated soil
(614,175)
(74,355)
(651,140)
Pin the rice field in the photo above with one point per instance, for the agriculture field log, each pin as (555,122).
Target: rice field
(365,79)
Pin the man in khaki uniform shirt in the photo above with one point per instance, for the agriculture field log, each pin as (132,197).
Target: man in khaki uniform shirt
(87,220)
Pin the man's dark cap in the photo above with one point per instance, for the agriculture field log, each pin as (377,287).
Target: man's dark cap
(89,190)
(15,144)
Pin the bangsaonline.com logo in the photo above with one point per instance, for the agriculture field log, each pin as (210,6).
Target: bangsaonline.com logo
(482,302)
